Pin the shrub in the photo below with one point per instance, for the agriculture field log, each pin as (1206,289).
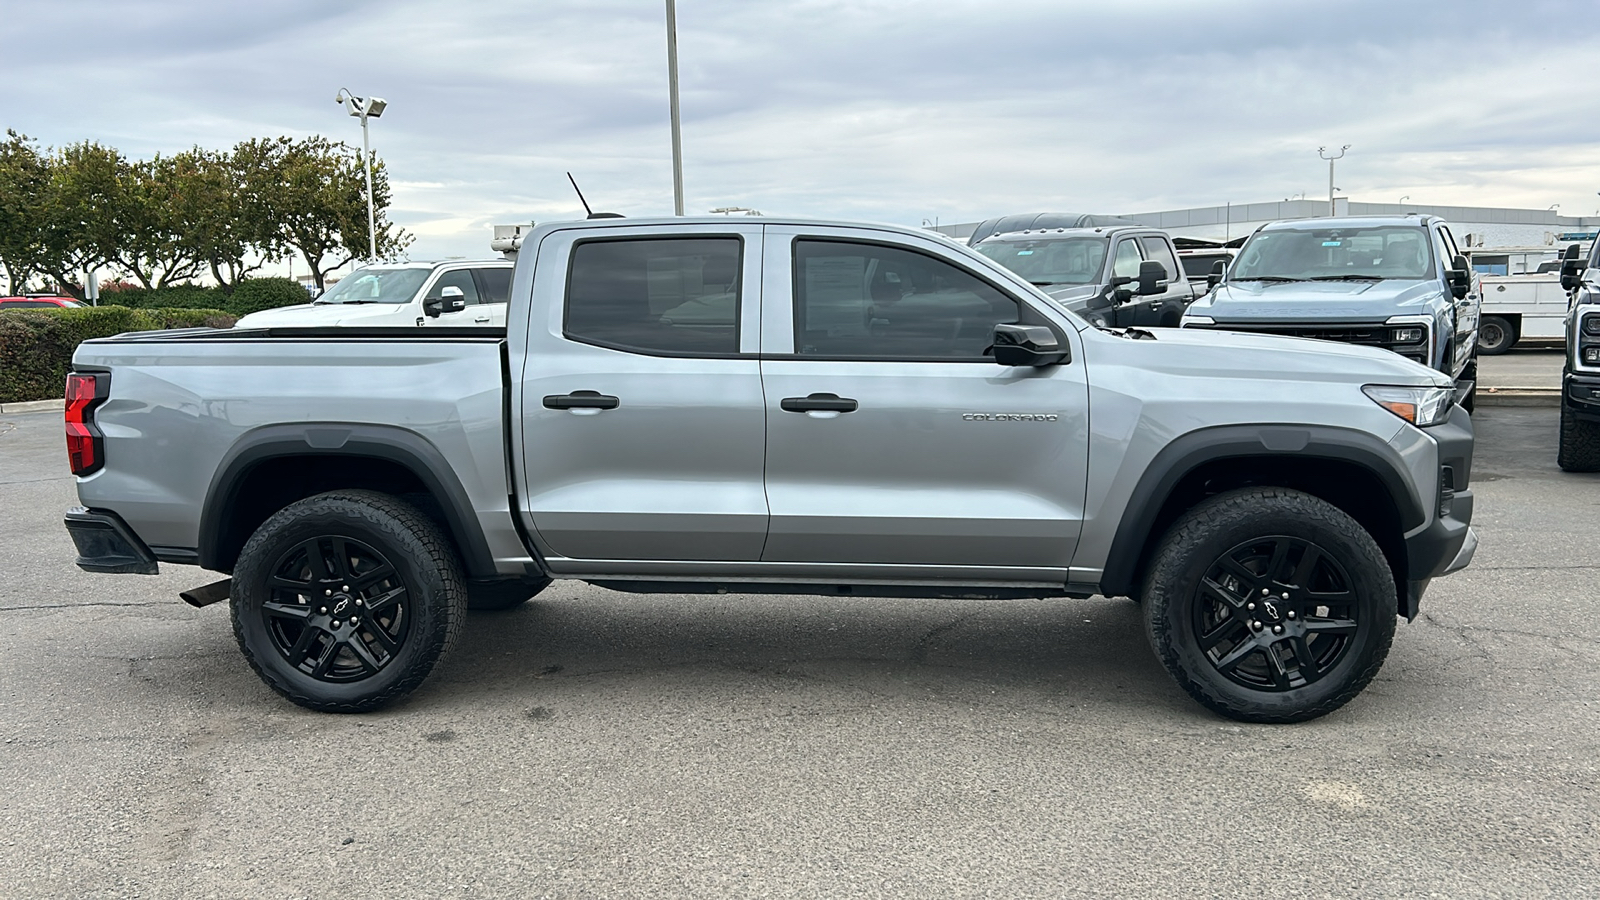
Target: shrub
(181,296)
(36,345)
(256,294)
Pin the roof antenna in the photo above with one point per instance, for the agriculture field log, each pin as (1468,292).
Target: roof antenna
(591,213)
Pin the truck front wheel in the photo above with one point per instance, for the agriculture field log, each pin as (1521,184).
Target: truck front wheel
(1270,605)
(1579,449)
(345,601)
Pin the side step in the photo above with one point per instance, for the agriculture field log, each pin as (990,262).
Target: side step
(211,593)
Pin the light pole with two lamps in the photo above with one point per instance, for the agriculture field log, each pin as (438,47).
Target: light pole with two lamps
(363,108)
(1322,152)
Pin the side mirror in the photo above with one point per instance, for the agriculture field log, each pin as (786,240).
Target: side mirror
(1120,292)
(1027,345)
(1151,277)
(450,300)
(1571,268)
(1218,269)
(1460,276)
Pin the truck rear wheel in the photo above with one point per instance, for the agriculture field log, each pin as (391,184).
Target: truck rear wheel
(1495,336)
(1270,605)
(346,601)
(1579,450)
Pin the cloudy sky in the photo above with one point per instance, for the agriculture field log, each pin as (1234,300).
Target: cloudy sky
(889,110)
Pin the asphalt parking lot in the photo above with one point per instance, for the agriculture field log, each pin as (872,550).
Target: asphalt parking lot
(601,744)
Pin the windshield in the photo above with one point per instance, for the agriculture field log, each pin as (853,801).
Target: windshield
(376,286)
(1333,254)
(1074,260)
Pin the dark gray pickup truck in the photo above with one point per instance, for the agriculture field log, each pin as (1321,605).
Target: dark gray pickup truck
(690,405)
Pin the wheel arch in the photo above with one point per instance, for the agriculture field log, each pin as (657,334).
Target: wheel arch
(1354,471)
(271,467)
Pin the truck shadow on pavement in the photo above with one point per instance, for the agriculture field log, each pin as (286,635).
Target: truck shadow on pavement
(1073,650)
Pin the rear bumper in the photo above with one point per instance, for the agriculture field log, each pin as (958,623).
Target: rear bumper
(107,545)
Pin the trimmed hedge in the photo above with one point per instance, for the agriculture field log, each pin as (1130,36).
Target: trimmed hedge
(250,295)
(256,294)
(36,345)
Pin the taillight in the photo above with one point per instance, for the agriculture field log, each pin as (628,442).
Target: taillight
(85,443)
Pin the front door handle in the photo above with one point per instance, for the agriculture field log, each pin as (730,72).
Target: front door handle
(581,400)
(819,403)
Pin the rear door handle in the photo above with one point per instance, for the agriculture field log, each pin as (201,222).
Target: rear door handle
(819,403)
(581,400)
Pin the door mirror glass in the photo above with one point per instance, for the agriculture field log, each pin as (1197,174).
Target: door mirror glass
(1569,274)
(1027,345)
(1152,277)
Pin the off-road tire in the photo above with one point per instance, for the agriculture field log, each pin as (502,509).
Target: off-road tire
(1197,544)
(1579,449)
(502,595)
(1495,336)
(426,588)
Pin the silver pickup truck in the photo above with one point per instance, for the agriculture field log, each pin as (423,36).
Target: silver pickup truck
(818,408)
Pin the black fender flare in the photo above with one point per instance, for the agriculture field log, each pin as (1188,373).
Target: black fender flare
(1196,448)
(405,448)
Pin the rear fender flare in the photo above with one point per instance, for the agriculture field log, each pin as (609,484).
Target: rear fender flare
(405,448)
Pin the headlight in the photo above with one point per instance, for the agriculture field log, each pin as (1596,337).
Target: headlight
(1421,406)
(1591,324)
(1409,335)
(1196,320)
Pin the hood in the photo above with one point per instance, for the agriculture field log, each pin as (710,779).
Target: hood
(312,315)
(1209,352)
(1322,301)
(1073,296)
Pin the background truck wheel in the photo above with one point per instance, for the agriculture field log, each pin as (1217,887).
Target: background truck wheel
(1270,605)
(1579,450)
(498,595)
(1495,336)
(345,601)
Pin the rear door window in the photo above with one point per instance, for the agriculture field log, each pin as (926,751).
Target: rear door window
(496,284)
(673,296)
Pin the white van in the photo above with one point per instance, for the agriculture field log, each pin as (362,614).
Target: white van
(459,293)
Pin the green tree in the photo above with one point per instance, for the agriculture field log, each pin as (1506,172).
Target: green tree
(319,203)
(23,176)
(85,211)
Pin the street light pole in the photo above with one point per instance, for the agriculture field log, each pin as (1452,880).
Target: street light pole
(363,108)
(1322,152)
(672,88)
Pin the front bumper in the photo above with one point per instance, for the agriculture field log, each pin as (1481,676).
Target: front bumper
(1581,395)
(107,545)
(1448,543)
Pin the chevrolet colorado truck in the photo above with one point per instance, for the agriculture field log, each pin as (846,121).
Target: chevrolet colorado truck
(1396,282)
(688,405)
(1579,449)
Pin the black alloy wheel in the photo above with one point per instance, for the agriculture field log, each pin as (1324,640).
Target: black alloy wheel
(345,601)
(1268,604)
(338,610)
(1275,614)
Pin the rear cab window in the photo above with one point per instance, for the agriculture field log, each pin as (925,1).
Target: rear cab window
(653,295)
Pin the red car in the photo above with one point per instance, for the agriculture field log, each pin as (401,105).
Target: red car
(31,301)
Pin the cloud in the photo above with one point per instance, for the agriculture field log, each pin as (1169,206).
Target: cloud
(881,109)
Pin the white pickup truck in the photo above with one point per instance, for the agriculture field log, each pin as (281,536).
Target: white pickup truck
(458,293)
